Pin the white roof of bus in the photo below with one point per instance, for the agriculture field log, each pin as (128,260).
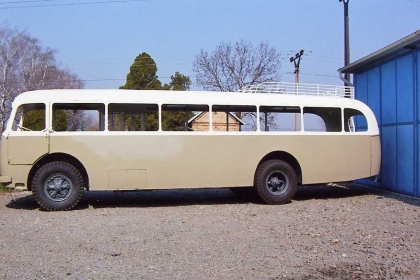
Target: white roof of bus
(182,97)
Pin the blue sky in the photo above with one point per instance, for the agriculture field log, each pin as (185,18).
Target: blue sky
(100,41)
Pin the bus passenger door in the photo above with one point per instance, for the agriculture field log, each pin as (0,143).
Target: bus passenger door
(28,139)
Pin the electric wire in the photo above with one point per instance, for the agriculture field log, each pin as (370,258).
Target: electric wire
(71,4)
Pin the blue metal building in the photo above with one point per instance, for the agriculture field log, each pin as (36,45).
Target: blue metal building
(388,80)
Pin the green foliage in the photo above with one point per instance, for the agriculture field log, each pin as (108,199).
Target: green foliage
(175,121)
(34,120)
(152,122)
(143,76)
(60,120)
(180,82)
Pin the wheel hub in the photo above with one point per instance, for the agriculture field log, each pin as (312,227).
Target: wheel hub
(277,183)
(58,187)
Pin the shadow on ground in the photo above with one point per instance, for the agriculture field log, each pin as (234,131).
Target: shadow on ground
(330,191)
(170,198)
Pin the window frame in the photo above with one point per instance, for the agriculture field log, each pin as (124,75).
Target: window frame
(107,116)
(326,129)
(104,117)
(238,105)
(161,110)
(11,121)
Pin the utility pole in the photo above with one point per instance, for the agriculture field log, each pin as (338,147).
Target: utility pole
(296,62)
(346,41)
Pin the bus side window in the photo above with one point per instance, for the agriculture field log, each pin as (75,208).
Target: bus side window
(78,117)
(133,117)
(354,121)
(234,118)
(322,119)
(185,117)
(279,118)
(29,117)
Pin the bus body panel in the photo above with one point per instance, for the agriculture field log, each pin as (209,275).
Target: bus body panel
(19,151)
(17,173)
(375,147)
(205,161)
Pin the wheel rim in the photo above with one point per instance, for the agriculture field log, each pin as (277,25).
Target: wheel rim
(58,187)
(277,183)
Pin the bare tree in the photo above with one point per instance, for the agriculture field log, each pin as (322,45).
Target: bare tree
(232,66)
(25,66)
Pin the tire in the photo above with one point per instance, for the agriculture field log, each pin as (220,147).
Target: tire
(66,190)
(276,181)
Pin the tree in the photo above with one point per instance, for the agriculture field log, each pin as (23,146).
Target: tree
(180,82)
(24,66)
(232,66)
(142,74)
(175,121)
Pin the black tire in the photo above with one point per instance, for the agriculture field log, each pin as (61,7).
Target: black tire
(57,186)
(244,192)
(276,181)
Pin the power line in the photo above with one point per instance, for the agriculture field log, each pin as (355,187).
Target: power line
(320,75)
(26,1)
(71,4)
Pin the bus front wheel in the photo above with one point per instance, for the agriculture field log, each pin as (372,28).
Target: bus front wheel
(276,181)
(57,186)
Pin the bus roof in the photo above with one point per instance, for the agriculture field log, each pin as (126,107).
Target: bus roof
(183,97)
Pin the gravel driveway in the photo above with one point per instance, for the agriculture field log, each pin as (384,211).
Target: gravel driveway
(326,232)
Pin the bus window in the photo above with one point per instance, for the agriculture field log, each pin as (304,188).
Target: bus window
(180,117)
(354,121)
(234,118)
(133,117)
(78,117)
(322,119)
(30,117)
(279,118)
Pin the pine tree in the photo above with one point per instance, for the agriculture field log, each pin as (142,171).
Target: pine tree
(142,74)
(180,82)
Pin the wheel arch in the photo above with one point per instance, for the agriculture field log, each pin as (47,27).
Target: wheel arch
(58,157)
(284,156)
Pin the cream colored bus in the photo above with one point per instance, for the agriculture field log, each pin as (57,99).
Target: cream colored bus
(59,143)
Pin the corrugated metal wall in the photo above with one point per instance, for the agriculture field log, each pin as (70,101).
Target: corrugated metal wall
(391,89)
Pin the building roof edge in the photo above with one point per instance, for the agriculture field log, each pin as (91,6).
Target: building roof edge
(408,42)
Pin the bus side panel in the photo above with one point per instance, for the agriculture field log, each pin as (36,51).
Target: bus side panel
(19,151)
(18,173)
(375,146)
(211,160)
(326,158)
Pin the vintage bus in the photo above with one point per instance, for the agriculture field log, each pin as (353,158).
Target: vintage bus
(60,143)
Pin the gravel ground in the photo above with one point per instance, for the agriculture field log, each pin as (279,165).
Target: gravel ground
(326,232)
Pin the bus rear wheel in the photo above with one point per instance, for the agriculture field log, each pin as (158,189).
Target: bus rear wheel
(57,186)
(276,181)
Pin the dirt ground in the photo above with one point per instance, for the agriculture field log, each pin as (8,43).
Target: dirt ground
(326,232)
